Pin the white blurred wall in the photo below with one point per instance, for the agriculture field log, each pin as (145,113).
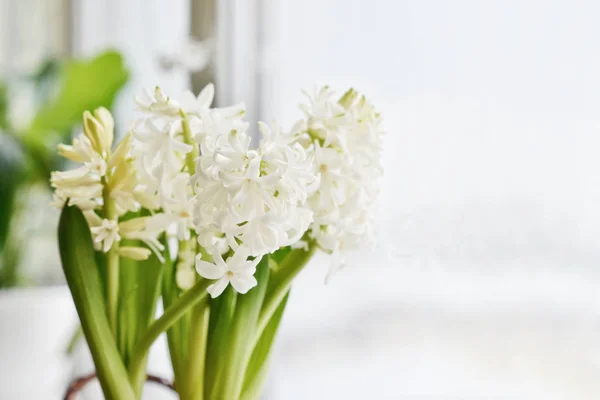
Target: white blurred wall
(143,31)
(486,281)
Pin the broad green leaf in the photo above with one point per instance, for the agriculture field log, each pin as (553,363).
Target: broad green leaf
(86,84)
(239,348)
(77,256)
(258,367)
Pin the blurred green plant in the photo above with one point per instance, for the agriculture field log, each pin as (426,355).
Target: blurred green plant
(27,156)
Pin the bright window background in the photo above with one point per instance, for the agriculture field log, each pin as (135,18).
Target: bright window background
(486,281)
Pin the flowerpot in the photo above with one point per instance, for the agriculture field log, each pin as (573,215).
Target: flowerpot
(36,326)
(88,387)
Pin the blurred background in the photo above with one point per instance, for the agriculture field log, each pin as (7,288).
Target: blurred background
(485,280)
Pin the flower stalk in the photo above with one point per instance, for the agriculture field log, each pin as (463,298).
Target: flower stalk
(112,268)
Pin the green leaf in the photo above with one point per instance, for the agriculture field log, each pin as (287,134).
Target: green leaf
(170,293)
(193,384)
(258,367)
(280,281)
(176,311)
(239,348)
(3,106)
(222,310)
(13,173)
(77,256)
(280,254)
(139,286)
(86,84)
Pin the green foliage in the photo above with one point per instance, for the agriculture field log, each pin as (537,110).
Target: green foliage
(280,254)
(170,292)
(222,311)
(29,157)
(77,256)
(12,174)
(3,106)
(86,85)
(243,329)
(258,366)
(12,170)
(139,289)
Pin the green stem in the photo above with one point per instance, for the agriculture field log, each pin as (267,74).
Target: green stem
(169,295)
(173,340)
(280,283)
(194,381)
(112,267)
(187,138)
(178,308)
(178,336)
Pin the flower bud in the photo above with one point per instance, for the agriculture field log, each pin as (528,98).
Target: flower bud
(106,120)
(134,224)
(134,253)
(121,152)
(348,98)
(92,130)
(69,152)
(99,129)
(185,278)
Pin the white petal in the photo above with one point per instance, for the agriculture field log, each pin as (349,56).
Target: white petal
(208,270)
(243,283)
(206,96)
(218,287)
(239,257)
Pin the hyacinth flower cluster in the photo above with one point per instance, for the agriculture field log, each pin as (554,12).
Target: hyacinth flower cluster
(187,207)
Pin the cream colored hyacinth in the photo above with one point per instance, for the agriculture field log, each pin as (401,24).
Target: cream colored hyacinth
(192,172)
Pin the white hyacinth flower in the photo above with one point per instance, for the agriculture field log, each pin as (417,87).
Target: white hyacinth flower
(179,208)
(237,270)
(106,234)
(157,102)
(195,170)
(346,136)
(191,104)
(147,230)
(159,157)
(250,198)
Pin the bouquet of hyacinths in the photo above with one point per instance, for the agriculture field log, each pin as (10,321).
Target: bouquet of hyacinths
(186,209)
